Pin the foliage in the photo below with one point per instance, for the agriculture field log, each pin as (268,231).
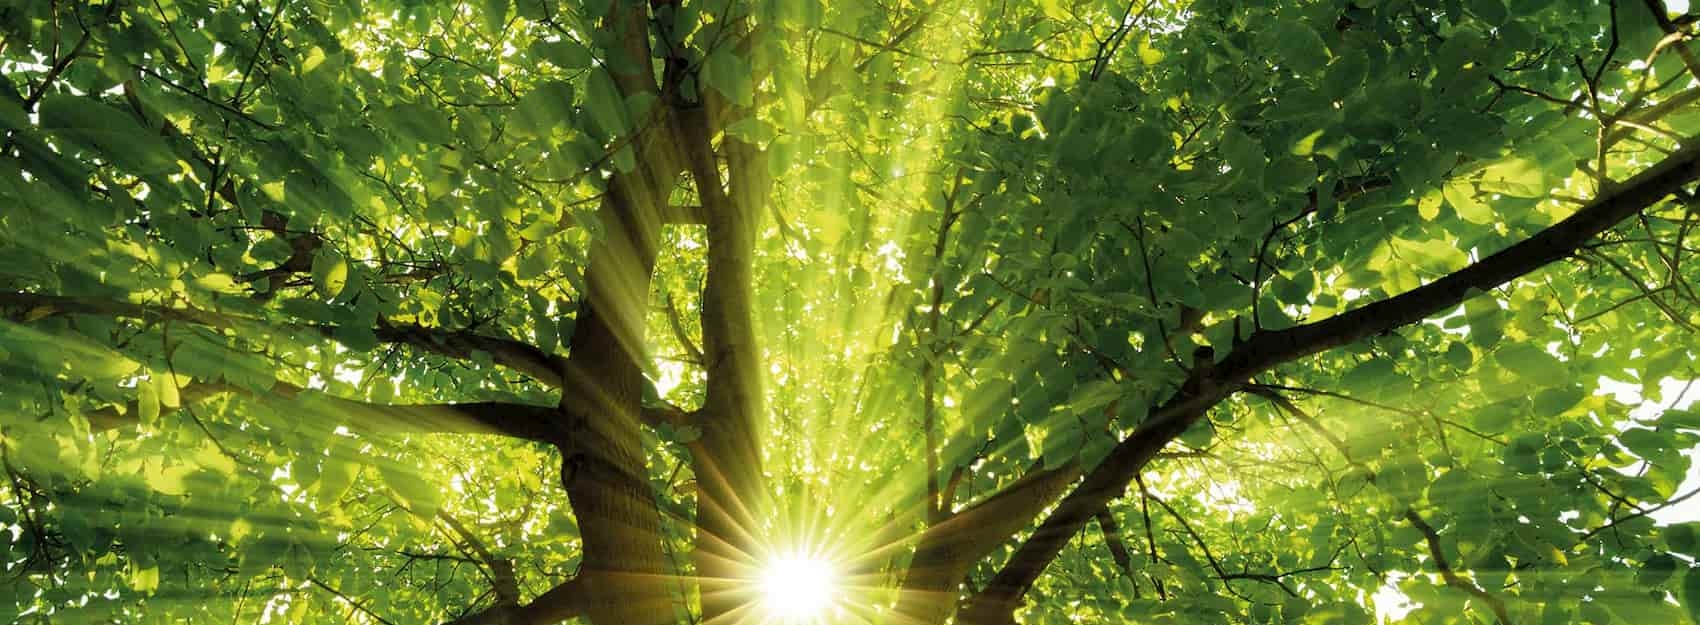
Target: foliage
(1053,311)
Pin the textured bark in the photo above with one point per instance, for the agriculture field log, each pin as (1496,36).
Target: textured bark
(625,578)
(1207,386)
(604,469)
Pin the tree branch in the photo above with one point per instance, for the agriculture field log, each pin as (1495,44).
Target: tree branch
(1267,349)
(947,549)
(1433,539)
(681,334)
(1113,540)
(522,357)
(501,575)
(1662,16)
(524,421)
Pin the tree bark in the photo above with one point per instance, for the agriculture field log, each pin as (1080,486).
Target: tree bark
(948,549)
(731,495)
(490,417)
(625,577)
(603,466)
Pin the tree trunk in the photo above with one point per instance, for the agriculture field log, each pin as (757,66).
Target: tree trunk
(603,461)
(731,495)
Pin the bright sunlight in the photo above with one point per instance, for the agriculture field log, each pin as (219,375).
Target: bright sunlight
(798,589)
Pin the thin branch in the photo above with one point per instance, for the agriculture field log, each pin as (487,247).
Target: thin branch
(1662,15)
(351,602)
(564,601)
(1446,572)
(682,335)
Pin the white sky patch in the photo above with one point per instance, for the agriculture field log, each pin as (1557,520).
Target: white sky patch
(669,375)
(1391,604)
(1670,396)
(349,375)
(892,255)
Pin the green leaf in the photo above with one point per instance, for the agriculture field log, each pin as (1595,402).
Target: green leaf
(1459,356)
(545,108)
(1523,454)
(1368,377)
(1199,435)
(147,403)
(726,72)
(1244,155)
(1531,363)
(1682,537)
(494,15)
(423,123)
(1515,177)
(1595,613)
(1290,173)
(566,54)
(109,132)
(1554,401)
(602,99)
(1490,11)
(1486,319)
(414,492)
(1428,206)
(336,476)
(330,272)
(1688,419)
(1690,595)
(1655,570)
(144,580)
(1149,54)
(271,250)
(1495,418)
(168,396)
(1298,46)
(1462,197)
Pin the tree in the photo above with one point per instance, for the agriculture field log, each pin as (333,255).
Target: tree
(524,311)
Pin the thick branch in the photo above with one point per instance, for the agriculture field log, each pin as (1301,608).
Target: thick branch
(510,419)
(1267,349)
(949,548)
(668,414)
(625,571)
(727,459)
(627,24)
(685,215)
(681,334)
(507,352)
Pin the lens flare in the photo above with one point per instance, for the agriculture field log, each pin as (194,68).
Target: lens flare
(797,589)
